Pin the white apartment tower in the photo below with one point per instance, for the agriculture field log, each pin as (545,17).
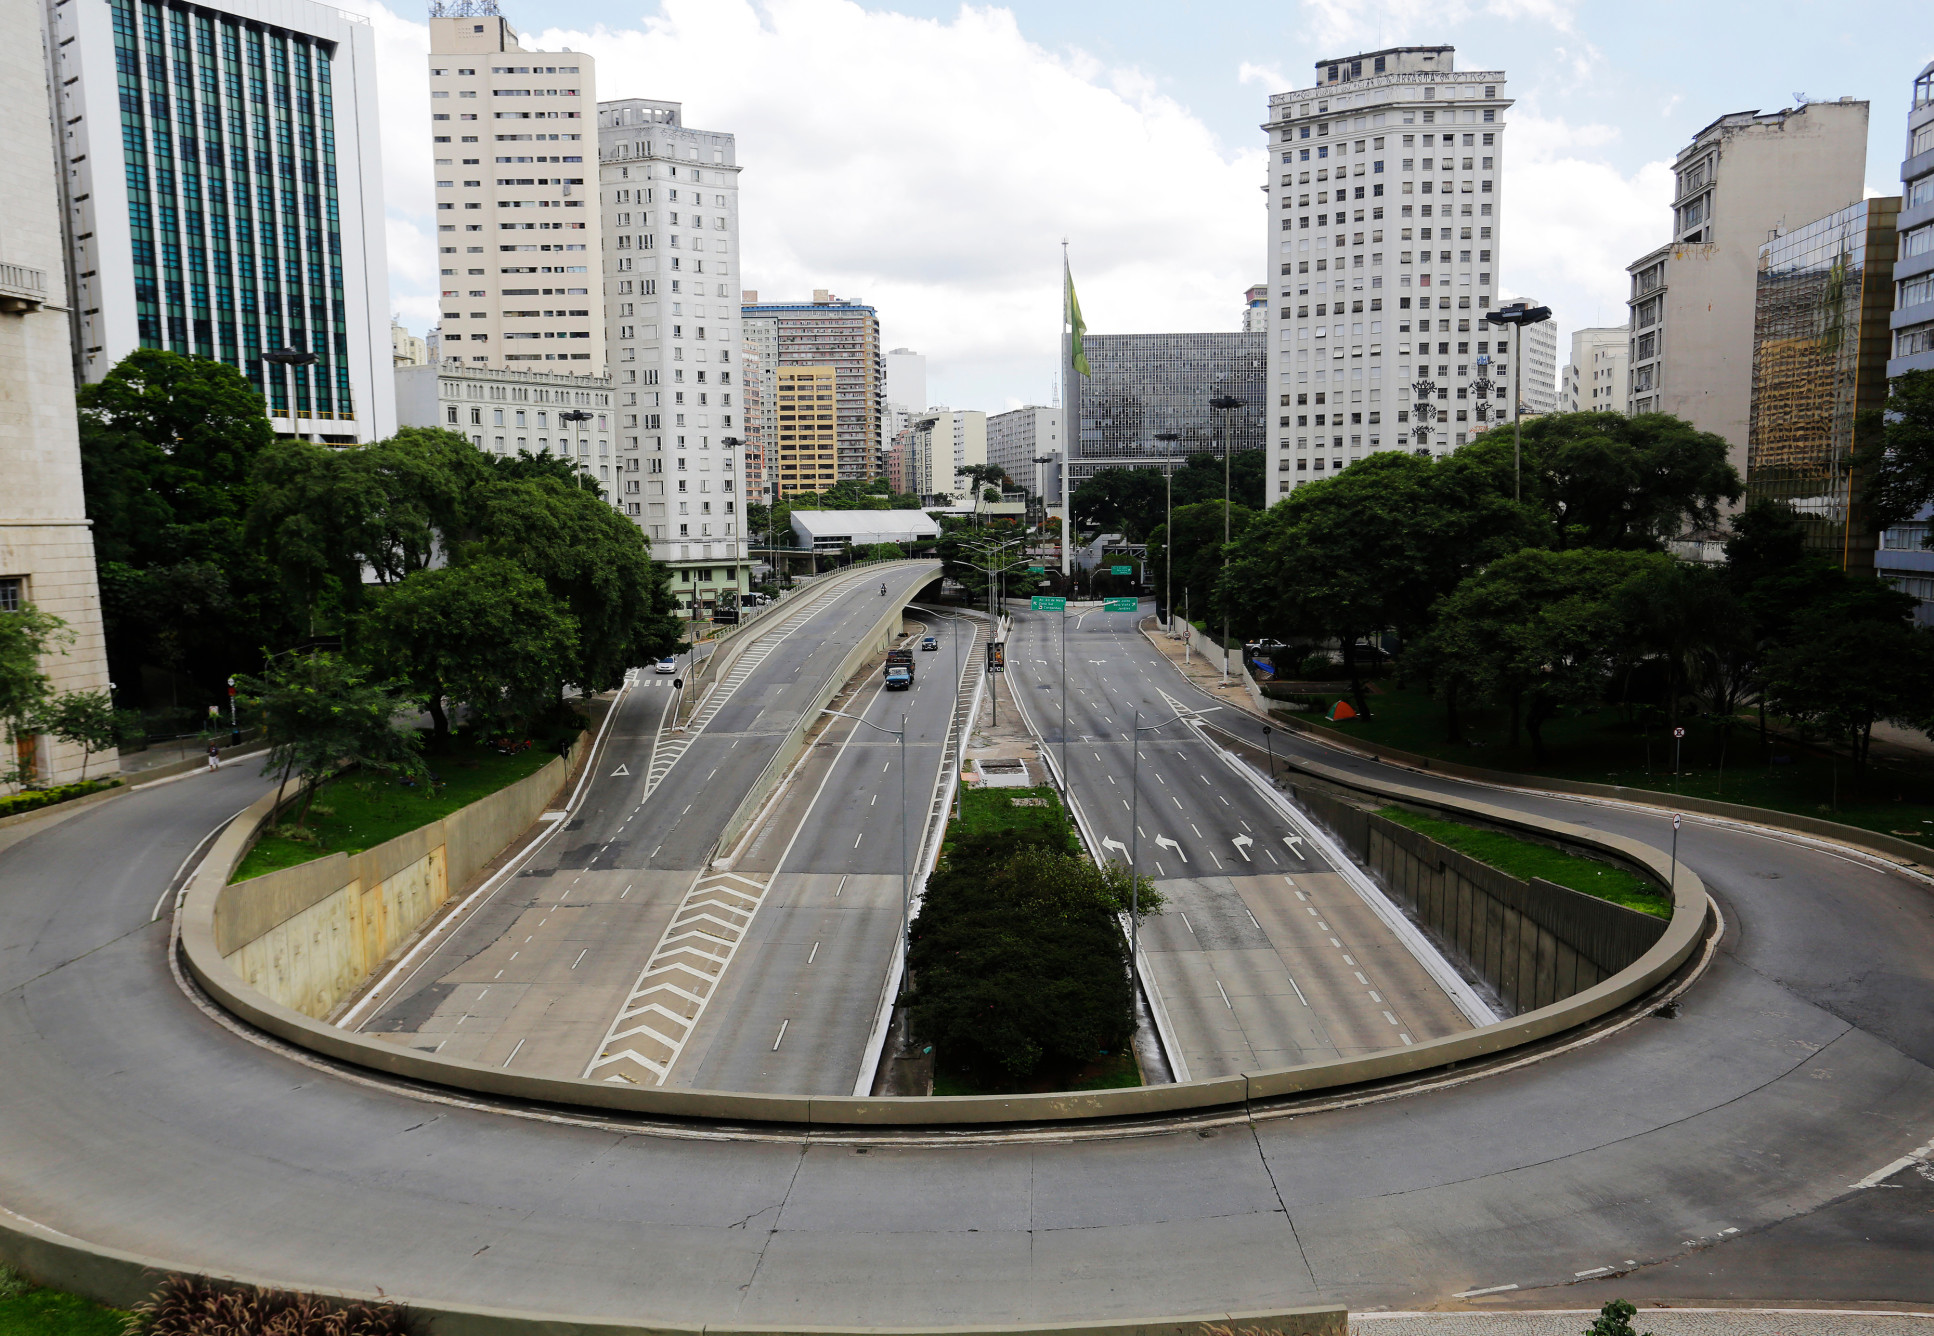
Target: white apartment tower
(1538,360)
(222,198)
(1019,437)
(517,217)
(670,200)
(1385,194)
(1594,381)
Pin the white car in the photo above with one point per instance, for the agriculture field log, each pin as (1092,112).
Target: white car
(666,667)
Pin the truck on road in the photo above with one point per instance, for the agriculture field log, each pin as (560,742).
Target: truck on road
(899,669)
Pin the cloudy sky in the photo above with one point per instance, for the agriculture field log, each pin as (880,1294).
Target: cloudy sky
(929,157)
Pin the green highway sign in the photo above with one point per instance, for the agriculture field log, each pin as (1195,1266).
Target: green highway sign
(1122,570)
(1118,605)
(1037,570)
(1049,603)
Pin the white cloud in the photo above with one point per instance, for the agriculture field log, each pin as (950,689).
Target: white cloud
(1269,76)
(403,104)
(937,184)
(1341,24)
(1573,221)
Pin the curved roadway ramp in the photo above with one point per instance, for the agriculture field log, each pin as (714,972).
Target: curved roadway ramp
(1757,1145)
(601,955)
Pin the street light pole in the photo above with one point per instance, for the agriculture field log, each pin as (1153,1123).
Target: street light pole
(1168,439)
(1519,315)
(1227,404)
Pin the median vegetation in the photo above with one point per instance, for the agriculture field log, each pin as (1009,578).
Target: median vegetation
(1524,859)
(1019,962)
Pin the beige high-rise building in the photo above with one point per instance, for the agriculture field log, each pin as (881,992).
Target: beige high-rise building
(518,233)
(46,550)
(1594,380)
(831,332)
(1743,178)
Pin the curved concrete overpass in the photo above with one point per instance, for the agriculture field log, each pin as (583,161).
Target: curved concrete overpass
(1712,1154)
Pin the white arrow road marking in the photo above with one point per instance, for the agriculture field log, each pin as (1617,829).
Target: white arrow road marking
(1295,843)
(1241,843)
(1107,843)
(621,770)
(1165,842)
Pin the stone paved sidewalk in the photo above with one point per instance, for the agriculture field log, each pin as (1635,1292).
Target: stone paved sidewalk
(1658,1321)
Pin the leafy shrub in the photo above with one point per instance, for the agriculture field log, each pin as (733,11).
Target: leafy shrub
(1018,958)
(191,1306)
(16,803)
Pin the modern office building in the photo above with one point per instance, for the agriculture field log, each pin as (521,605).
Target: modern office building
(1913,317)
(1143,387)
(1594,380)
(1018,438)
(1904,556)
(46,547)
(1255,310)
(518,230)
(222,198)
(1385,204)
(1820,343)
(504,411)
(1742,178)
(1538,391)
(843,335)
(670,200)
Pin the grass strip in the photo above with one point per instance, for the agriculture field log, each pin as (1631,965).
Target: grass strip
(358,810)
(1036,811)
(29,1310)
(1525,860)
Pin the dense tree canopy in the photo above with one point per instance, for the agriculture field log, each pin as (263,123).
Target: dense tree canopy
(1196,558)
(1134,502)
(1898,461)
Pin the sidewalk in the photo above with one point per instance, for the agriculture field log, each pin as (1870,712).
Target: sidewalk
(1658,1321)
(1205,673)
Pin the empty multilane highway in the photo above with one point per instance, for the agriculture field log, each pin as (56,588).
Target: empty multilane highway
(1271,952)
(547,974)
(796,1012)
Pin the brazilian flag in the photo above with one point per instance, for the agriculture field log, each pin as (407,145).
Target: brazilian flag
(1077,356)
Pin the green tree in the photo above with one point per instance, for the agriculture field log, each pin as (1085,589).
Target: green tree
(26,636)
(1843,675)
(168,450)
(320,712)
(486,634)
(1018,958)
(86,719)
(1618,482)
(1897,461)
(1197,552)
(1126,501)
(1371,550)
(1200,479)
(1537,630)
(594,562)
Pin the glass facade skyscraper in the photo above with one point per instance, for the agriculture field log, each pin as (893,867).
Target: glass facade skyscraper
(1820,343)
(221,202)
(1144,386)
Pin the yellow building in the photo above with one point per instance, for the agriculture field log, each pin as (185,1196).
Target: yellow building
(805,455)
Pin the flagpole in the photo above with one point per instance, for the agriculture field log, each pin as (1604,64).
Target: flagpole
(1070,428)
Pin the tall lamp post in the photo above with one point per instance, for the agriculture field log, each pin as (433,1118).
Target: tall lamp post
(577,417)
(290,357)
(906,858)
(1168,440)
(1225,404)
(1519,314)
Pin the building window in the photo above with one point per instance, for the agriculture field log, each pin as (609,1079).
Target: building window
(13,592)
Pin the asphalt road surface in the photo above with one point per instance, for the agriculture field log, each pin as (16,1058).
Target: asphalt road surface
(544,972)
(1711,1155)
(1267,954)
(795,1012)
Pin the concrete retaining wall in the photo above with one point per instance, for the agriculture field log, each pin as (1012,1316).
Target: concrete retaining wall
(1534,943)
(308,936)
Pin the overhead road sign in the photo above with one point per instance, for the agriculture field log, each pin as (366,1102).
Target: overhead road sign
(1048,603)
(1122,570)
(1118,605)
